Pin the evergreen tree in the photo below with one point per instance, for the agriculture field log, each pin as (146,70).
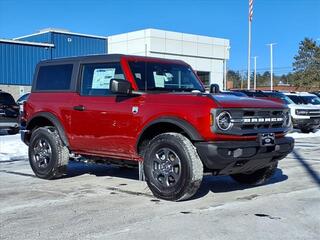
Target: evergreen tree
(306,64)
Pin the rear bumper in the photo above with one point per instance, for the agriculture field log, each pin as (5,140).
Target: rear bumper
(225,158)
(23,135)
(9,124)
(312,122)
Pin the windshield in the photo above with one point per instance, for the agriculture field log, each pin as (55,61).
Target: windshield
(296,99)
(23,97)
(314,100)
(6,99)
(155,76)
(311,100)
(282,96)
(287,100)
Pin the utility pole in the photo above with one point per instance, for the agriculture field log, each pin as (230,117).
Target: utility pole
(225,74)
(271,65)
(255,74)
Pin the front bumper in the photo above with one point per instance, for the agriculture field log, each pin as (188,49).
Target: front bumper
(225,158)
(312,122)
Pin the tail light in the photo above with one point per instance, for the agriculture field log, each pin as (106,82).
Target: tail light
(23,118)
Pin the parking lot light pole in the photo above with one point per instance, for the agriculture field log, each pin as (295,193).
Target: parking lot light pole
(271,65)
(255,73)
(225,69)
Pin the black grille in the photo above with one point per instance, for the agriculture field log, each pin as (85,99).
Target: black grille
(254,121)
(259,116)
(315,112)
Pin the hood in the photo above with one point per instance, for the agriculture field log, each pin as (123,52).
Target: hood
(304,106)
(229,101)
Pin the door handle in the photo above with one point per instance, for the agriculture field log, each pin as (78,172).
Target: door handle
(79,108)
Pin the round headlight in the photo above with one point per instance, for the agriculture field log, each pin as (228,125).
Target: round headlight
(224,121)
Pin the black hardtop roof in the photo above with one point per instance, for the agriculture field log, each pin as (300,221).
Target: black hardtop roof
(109,57)
(105,57)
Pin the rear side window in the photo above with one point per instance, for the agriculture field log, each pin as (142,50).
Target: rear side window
(54,77)
(96,78)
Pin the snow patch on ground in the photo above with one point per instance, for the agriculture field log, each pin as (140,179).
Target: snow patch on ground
(297,134)
(12,148)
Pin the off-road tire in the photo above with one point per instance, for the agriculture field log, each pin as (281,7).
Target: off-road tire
(258,177)
(307,130)
(13,131)
(57,165)
(191,168)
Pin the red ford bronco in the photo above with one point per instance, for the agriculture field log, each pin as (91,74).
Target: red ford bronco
(153,113)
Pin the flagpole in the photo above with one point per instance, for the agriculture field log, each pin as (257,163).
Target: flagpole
(255,73)
(249,54)
(250,13)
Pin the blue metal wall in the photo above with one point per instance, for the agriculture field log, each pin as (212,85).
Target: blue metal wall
(41,37)
(17,62)
(72,45)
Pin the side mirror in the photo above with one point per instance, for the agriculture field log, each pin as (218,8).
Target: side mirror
(214,88)
(120,86)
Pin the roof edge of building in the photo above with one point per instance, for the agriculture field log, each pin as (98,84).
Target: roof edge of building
(148,30)
(60,32)
(26,43)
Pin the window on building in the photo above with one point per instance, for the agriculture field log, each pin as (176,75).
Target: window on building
(204,77)
(96,78)
(54,77)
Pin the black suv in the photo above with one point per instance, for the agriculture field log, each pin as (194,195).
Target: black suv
(9,113)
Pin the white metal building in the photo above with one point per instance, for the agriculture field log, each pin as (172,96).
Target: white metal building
(207,55)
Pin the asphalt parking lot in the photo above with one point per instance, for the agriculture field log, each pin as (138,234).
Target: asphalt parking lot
(103,202)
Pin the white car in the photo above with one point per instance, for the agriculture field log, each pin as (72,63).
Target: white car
(304,98)
(305,111)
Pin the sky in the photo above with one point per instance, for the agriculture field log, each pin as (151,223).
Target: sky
(284,22)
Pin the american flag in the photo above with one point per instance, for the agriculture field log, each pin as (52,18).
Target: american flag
(250,10)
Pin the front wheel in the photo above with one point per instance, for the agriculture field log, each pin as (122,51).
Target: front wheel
(172,167)
(307,130)
(48,156)
(258,177)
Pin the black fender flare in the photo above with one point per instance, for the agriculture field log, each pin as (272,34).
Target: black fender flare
(54,120)
(183,124)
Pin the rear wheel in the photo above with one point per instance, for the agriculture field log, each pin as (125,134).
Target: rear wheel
(48,156)
(172,167)
(258,177)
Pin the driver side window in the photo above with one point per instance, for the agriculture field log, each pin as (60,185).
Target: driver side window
(96,78)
